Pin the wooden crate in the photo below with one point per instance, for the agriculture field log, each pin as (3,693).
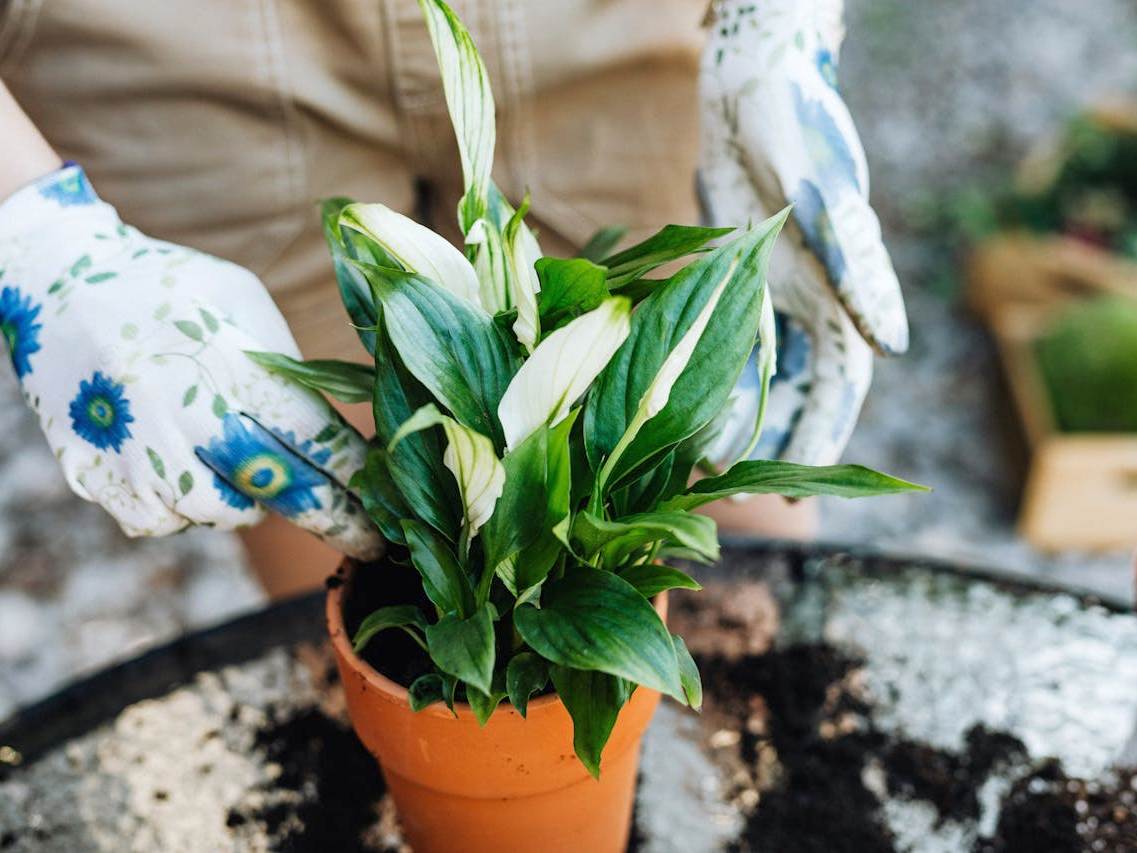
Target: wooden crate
(1081,488)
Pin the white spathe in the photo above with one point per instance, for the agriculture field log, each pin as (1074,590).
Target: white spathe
(561,368)
(469,456)
(416,247)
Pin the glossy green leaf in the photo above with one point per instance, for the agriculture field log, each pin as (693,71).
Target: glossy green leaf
(443,579)
(381,499)
(569,288)
(415,465)
(615,540)
(770,477)
(453,348)
(534,501)
(670,243)
(483,704)
(594,620)
(464,648)
(355,292)
(434,687)
(593,700)
(344,380)
(688,674)
(403,616)
(526,674)
(650,579)
(688,345)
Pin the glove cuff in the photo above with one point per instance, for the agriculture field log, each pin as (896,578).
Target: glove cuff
(64,192)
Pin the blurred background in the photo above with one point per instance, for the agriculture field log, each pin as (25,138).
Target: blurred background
(950,98)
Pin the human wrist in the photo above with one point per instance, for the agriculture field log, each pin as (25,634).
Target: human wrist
(28,156)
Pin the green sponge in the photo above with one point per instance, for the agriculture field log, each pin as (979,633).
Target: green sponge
(1088,359)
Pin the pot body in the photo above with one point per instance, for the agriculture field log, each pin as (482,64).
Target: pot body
(514,785)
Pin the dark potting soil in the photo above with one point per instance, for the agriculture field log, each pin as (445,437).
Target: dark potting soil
(375,585)
(326,795)
(824,739)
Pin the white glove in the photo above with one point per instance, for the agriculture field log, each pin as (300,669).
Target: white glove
(132,353)
(775,132)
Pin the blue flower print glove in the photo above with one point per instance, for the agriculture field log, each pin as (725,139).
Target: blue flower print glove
(776,132)
(132,353)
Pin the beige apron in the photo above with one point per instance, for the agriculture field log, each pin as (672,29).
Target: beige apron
(219,124)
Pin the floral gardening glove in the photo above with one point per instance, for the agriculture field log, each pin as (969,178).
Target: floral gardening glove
(776,132)
(132,353)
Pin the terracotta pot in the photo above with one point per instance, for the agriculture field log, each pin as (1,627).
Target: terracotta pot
(514,785)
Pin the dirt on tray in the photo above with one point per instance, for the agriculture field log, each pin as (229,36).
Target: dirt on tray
(818,768)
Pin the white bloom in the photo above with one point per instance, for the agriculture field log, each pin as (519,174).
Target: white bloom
(470,457)
(415,246)
(561,369)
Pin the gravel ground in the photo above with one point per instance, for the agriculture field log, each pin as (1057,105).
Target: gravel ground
(946,95)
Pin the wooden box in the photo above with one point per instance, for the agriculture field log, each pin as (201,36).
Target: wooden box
(1081,488)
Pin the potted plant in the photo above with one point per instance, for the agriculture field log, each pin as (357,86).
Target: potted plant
(537,422)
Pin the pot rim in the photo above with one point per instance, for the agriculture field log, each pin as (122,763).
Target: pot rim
(392,690)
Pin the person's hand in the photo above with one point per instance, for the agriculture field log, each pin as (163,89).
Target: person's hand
(777,132)
(132,353)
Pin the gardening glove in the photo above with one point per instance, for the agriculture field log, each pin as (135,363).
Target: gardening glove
(132,353)
(776,132)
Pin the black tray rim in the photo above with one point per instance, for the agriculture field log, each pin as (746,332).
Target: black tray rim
(82,705)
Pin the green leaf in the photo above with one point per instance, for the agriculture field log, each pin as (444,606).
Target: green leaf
(470,458)
(185,483)
(537,477)
(670,243)
(403,616)
(100,277)
(433,687)
(688,674)
(190,329)
(601,244)
(464,648)
(220,407)
(650,579)
(770,477)
(483,704)
(593,700)
(344,380)
(415,465)
(526,674)
(688,345)
(617,539)
(443,579)
(355,292)
(380,497)
(569,288)
(453,348)
(189,396)
(156,463)
(593,619)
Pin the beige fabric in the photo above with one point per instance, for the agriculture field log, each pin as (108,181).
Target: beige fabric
(219,124)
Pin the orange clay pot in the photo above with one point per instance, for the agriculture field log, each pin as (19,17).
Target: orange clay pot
(514,785)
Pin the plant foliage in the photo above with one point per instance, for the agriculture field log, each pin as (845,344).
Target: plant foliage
(537,424)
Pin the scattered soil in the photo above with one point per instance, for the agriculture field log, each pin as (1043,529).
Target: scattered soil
(335,787)
(817,767)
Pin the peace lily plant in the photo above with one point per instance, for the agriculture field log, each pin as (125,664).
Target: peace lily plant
(537,423)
